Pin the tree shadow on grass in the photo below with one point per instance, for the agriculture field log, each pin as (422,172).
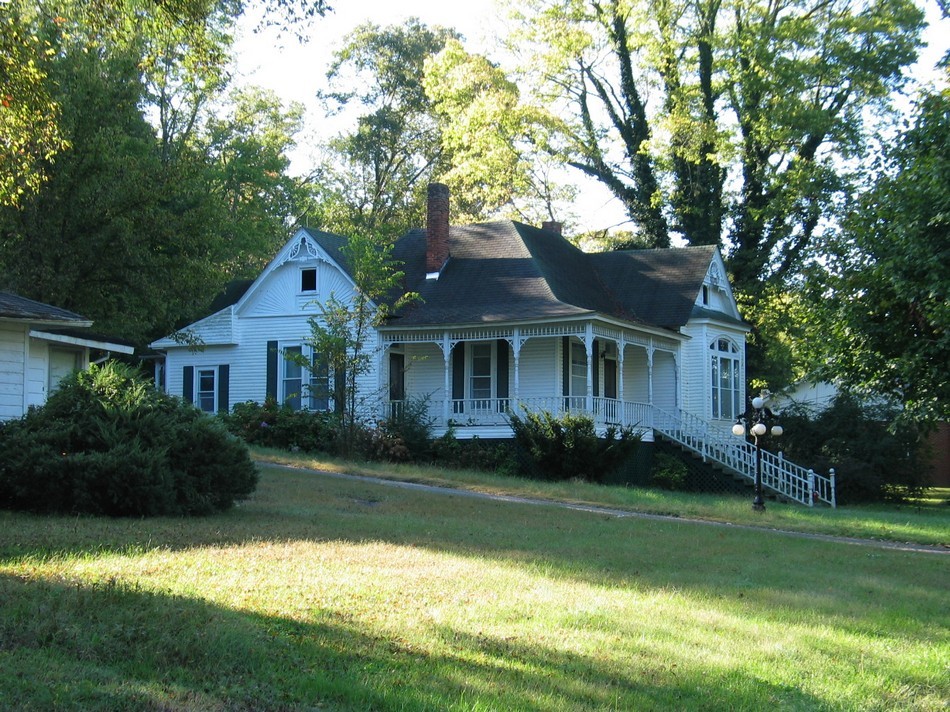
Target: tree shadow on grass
(775,575)
(115,647)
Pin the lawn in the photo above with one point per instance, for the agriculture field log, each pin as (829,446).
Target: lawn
(327,593)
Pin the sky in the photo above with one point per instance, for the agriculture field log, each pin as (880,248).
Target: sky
(296,71)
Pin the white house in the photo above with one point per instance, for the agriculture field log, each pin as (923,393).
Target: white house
(39,344)
(512,318)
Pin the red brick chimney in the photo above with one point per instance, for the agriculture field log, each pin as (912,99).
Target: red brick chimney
(437,229)
(552,226)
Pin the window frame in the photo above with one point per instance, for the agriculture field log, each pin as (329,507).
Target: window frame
(725,375)
(304,272)
(201,394)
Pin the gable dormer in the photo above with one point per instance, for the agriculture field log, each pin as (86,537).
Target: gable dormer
(715,294)
(303,274)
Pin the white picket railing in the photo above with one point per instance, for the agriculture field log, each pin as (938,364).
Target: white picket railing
(713,444)
(738,455)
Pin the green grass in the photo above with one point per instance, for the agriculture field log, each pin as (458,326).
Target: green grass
(926,521)
(324,593)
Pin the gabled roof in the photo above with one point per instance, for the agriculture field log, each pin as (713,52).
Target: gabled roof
(507,271)
(13,306)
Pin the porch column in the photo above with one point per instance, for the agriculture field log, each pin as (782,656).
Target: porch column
(446,356)
(650,375)
(589,345)
(516,350)
(383,380)
(621,347)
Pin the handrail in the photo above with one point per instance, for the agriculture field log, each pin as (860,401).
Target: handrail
(712,444)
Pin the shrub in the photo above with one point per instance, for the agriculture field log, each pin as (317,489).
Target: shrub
(876,458)
(474,454)
(568,447)
(278,426)
(411,426)
(107,443)
(668,472)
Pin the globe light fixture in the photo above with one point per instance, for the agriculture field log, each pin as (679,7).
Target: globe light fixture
(756,421)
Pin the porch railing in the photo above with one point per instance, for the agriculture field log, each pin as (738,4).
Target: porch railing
(713,444)
(779,475)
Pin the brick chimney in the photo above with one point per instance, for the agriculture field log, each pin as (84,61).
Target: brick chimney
(552,226)
(437,229)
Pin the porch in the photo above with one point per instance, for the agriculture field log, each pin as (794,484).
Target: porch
(471,378)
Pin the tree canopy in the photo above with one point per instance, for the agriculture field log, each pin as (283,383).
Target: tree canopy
(719,119)
(883,293)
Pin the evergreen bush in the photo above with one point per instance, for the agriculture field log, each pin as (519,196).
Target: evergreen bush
(568,447)
(274,425)
(107,443)
(876,456)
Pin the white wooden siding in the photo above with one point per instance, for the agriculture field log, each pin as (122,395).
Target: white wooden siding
(12,347)
(635,375)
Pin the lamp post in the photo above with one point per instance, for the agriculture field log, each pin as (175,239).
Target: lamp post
(757,421)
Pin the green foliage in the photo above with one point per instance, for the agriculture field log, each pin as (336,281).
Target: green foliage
(669,105)
(107,443)
(28,113)
(375,175)
(567,447)
(474,454)
(279,426)
(411,425)
(874,457)
(154,204)
(342,331)
(668,472)
(882,299)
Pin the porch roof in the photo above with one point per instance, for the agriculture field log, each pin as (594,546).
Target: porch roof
(505,271)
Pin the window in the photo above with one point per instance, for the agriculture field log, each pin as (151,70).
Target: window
(705,295)
(480,380)
(206,391)
(302,387)
(725,379)
(578,370)
(308,280)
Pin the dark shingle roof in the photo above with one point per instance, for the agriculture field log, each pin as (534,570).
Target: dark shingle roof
(332,244)
(658,286)
(506,271)
(13,306)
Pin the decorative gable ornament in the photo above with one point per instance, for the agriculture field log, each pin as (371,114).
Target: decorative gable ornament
(297,252)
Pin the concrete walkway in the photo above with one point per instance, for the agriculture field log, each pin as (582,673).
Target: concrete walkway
(612,512)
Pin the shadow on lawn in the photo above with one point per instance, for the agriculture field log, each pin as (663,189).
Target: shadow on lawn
(112,646)
(761,569)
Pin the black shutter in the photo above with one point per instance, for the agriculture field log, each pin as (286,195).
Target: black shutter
(458,376)
(566,364)
(272,370)
(224,388)
(188,383)
(501,372)
(595,373)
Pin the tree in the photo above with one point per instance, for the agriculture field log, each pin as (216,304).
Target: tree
(376,174)
(342,333)
(29,128)
(671,104)
(247,151)
(492,141)
(30,32)
(140,223)
(883,296)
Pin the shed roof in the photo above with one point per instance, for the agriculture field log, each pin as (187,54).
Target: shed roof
(13,306)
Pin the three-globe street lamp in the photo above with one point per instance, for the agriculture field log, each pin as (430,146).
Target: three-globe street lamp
(757,421)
